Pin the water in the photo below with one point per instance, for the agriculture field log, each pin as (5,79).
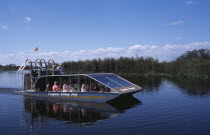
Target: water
(175,107)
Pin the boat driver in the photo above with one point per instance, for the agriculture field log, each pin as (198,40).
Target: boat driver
(60,69)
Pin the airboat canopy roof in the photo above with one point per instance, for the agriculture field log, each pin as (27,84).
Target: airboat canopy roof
(114,82)
(111,80)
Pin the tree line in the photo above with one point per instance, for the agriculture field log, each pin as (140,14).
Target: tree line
(195,63)
(9,67)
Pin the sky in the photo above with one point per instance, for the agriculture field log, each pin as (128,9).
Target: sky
(66,30)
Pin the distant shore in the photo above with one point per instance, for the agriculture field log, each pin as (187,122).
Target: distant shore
(9,68)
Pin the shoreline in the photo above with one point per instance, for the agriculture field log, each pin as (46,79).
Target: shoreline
(8,70)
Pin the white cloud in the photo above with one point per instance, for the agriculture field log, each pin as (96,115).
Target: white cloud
(27,19)
(165,52)
(175,23)
(188,2)
(142,47)
(2,27)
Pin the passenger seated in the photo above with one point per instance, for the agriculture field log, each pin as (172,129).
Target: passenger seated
(84,87)
(107,89)
(77,86)
(66,87)
(49,87)
(71,88)
(94,86)
(97,87)
(56,87)
(101,89)
(75,90)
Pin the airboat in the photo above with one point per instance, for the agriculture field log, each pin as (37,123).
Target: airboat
(38,74)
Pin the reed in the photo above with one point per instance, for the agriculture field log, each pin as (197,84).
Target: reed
(193,64)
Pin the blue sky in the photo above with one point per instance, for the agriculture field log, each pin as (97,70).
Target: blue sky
(86,29)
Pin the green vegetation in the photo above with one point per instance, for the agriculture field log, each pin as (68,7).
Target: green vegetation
(9,67)
(192,64)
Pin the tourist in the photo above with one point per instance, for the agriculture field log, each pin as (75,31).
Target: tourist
(101,89)
(49,87)
(71,88)
(94,86)
(56,87)
(77,86)
(84,87)
(66,87)
(107,89)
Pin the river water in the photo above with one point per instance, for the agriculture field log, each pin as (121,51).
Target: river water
(164,107)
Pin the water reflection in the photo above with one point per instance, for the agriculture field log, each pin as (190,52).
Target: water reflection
(193,87)
(147,83)
(40,112)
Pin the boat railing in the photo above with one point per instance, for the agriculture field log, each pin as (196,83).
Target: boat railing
(51,62)
(22,67)
(37,68)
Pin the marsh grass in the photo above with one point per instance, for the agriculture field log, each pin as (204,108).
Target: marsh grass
(192,64)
